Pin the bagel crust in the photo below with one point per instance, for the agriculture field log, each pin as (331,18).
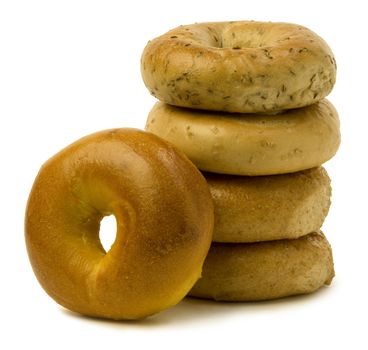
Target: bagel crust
(243,67)
(250,144)
(265,270)
(266,208)
(161,241)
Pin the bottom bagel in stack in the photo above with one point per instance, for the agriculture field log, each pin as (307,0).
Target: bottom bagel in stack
(265,270)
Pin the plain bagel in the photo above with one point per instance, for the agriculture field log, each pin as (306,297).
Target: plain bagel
(266,208)
(250,144)
(161,241)
(244,67)
(265,270)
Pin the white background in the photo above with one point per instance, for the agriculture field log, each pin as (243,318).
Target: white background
(70,68)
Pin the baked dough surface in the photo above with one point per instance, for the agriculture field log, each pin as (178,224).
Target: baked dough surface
(250,144)
(265,208)
(265,270)
(243,67)
(164,215)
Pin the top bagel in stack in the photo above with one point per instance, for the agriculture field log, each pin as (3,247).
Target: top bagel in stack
(242,67)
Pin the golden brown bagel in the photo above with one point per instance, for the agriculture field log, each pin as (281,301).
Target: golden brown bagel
(265,270)
(266,208)
(164,216)
(249,144)
(244,67)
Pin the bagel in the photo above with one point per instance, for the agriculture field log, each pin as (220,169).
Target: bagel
(266,208)
(161,241)
(249,144)
(266,270)
(243,67)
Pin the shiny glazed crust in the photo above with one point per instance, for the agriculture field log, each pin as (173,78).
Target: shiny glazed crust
(266,208)
(265,270)
(244,67)
(161,241)
(250,144)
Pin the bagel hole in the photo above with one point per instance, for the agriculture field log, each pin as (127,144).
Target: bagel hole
(245,36)
(107,232)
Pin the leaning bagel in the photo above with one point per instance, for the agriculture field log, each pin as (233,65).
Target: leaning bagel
(244,67)
(161,241)
(265,270)
(267,208)
(250,144)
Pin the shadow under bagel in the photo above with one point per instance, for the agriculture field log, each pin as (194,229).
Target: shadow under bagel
(193,309)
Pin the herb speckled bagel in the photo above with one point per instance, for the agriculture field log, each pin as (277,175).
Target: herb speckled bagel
(250,144)
(244,67)
(164,215)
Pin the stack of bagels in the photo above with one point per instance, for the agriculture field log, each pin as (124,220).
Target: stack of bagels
(245,101)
